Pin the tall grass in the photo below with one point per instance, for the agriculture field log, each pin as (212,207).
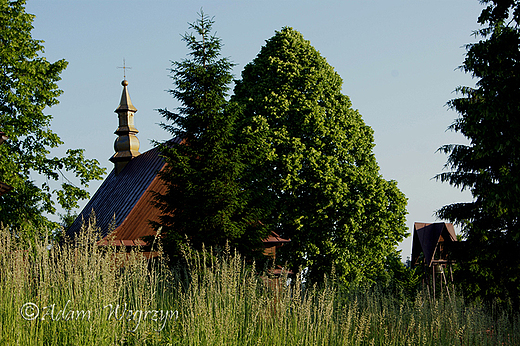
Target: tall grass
(219,300)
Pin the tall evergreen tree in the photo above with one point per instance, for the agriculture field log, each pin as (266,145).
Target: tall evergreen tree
(205,202)
(27,87)
(317,175)
(489,166)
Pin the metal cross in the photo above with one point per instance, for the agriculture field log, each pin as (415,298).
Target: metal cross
(124,68)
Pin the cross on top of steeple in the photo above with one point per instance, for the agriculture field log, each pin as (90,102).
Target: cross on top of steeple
(124,67)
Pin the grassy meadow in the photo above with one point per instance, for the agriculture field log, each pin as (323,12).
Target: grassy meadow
(80,294)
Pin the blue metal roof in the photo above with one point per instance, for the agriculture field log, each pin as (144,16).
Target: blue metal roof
(118,194)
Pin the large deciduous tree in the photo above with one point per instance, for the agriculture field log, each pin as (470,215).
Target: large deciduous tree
(317,174)
(27,87)
(489,166)
(205,202)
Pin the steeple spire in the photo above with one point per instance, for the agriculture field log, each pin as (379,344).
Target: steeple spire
(126,145)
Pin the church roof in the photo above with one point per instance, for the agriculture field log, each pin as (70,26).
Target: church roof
(122,206)
(122,202)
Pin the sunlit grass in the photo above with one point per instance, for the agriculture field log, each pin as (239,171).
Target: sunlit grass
(214,300)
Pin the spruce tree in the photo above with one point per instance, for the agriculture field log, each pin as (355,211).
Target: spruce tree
(489,166)
(205,202)
(316,175)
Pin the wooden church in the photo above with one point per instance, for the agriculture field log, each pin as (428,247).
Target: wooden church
(122,204)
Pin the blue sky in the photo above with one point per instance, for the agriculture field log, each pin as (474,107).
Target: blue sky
(398,60)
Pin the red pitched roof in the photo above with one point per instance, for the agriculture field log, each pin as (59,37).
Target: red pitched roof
(4,188)
(136,224)
(426,236)
(274,239)
(123,200)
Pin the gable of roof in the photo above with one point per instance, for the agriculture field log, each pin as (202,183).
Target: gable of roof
(137,224)
(124,203)
(115,200)
(426,236)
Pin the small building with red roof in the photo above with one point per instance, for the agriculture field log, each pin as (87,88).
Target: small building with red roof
(122,206)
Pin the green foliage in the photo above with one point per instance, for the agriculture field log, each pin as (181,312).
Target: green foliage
(402,280)
(314,171)
(223,302)
(27,87)
(489,166)
(75,286)
(205,203)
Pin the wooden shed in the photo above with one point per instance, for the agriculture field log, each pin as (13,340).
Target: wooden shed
(429,250)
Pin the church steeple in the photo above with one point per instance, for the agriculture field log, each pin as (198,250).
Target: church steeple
(126,145)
